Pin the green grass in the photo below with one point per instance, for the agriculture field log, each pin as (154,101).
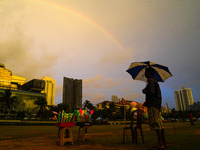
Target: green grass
(181,136)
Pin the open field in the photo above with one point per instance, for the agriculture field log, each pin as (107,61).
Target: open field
(181,136)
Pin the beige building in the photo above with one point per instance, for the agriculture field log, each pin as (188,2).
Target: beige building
(8,80)
(119,104)
(25,100)
(5,77)
(49,90)
(17,80)
(183,98)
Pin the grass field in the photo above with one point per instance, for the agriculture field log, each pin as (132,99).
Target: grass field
(180,136)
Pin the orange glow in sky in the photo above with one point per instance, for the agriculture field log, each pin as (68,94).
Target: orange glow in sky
(97,40)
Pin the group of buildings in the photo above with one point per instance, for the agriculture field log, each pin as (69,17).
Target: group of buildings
(183,98)
(27,92)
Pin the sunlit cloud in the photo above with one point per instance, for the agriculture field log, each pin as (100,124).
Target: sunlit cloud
(26,63)
(99,81)
(98,97)
(133,96)
(116,57)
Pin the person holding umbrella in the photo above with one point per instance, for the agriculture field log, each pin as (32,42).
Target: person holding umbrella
(152,73)
(153,104)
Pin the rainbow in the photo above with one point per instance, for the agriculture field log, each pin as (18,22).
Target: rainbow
(65,9)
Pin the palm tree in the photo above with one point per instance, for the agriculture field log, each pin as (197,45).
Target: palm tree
(64,107)
(104,105)
(42,106)
(7,101)
(87,104)
(112,109)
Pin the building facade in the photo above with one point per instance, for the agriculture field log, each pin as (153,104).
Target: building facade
(8,80)
(183,99)
(115,99)
(17,82)
(5,77)
(27,92)
(119,104)
(72,92)
(49,90)
(34,85)
(25,100)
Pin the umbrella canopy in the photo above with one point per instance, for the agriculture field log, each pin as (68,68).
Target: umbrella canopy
(137,71)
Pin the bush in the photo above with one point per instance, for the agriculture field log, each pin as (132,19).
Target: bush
(21,115)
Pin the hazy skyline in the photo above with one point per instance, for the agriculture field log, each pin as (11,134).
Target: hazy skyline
(97,40)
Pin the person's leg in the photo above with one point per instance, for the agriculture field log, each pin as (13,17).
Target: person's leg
(156,124)
(160,139)
(163,137)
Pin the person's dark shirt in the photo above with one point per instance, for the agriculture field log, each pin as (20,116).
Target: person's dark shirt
(153,94)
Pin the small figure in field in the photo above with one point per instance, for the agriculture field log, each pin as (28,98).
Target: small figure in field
(191,119)
(153,104)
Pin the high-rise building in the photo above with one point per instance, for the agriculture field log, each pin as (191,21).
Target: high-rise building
(72,92)
(183,98)
(49,90)
(77,93)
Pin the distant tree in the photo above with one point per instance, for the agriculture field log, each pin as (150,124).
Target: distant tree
(42,106)
(120,113)
(7,101)
(54,108)
(21,115)
(106,114)
(64,107)
(104,105)
(195,106)
(88,105)
(112,109)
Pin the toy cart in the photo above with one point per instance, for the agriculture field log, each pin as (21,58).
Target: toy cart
(82,133)
(65,132)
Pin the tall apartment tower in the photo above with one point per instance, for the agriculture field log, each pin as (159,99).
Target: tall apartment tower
(72,92)
(183,98)
(49,90)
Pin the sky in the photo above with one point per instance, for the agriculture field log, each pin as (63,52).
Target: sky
(97,40)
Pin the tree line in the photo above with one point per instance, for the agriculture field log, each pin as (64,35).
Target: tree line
(44,112)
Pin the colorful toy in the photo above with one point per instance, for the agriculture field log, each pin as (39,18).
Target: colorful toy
(133,104)
(84,115)
(80,115)
(65,117)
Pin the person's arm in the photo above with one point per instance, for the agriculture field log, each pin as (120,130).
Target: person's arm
(151,87)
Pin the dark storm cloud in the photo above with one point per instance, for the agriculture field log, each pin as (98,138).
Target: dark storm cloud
(171,36)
